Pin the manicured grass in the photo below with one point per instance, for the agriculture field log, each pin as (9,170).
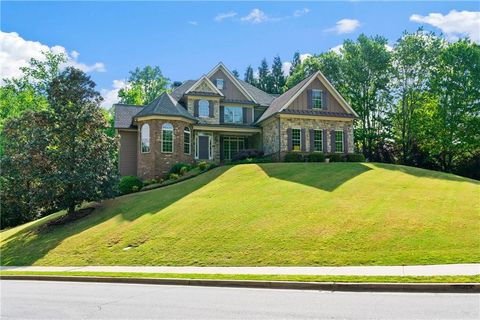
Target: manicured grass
(296,214)
(303,278)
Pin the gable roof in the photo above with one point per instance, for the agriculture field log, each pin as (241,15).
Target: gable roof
(164,105)
(282,102)
(209,83)
(124,114)
(261,97)
(179,91)
(232,78)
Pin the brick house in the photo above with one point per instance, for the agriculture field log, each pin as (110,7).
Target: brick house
(214,117)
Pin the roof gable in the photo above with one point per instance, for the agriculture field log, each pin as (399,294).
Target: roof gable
(204,85)
(233,79)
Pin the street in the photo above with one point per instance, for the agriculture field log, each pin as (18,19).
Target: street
(70,300)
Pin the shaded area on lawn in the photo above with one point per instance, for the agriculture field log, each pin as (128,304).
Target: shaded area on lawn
(325,176)
(31,244)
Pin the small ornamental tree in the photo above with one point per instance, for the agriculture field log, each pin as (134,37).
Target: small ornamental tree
(83,157)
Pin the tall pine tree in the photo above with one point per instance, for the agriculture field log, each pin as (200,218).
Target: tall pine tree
(278,79)
(249,75)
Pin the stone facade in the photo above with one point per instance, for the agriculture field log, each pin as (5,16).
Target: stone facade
(216,109)
(270,136)
(157,163)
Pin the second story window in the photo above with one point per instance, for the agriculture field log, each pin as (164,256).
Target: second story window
(233,115)
(317,102)
(220,83)
(203,109)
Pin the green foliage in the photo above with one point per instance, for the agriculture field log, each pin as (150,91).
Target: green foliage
(177,167)
(278,79)
(173,176)
(183,171)
(249,76)
(265,80)
(236,74)
(203,165)
(315,157)
(149,182)
(336,157)
(144,85)
(293,157)
(355,157)
(128,183)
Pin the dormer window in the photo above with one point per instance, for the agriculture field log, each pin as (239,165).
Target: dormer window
(219,83)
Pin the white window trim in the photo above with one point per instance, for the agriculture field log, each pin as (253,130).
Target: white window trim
(210,145)
(321,140)
(223,84)
(343,139)
(173,138)
(321,99)
(208,112)
(141,138)
(301,146)
(241,117)
(189,140)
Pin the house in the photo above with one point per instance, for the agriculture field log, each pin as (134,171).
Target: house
(214,117)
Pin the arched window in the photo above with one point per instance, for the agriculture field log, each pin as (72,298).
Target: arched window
(203,109)
(186,140)
(167,137)
(145,137)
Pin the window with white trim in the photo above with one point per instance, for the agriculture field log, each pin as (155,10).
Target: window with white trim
(186,140)
(167,138)
(296,139)
(233,115)
(338,141)
(317,99)
(203,108)
(145,138)
(220,83)
(318,140)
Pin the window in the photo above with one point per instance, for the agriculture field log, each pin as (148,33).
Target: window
(338,141)
(296,139)
(233,115)
(317,140)
(220,84)
(317,99)
(167,137)
(231,146)
(186,140)
(145,137)
(203,109)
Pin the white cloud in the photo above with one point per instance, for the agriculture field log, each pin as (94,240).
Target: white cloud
(454,24)
(345,26)
(286,65)
(110,96)
(304,56)
(256,16)
(193,23)
(337,48)
(15,52)
(300,12)
(226,15)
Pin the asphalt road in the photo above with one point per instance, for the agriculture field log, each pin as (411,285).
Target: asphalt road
(69,300)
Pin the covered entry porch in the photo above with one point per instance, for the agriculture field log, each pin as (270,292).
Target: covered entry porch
(220,143)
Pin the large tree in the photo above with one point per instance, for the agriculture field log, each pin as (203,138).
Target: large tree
(144,85)
(278,78)
(249,78)
(265,82)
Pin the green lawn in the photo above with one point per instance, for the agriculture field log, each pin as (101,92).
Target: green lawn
(272,214)
(303,278)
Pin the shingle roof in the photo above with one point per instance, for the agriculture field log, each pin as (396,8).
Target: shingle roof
(280,101)
(262,98)
(124,114)
(319,113)
(165,105)
(180,90)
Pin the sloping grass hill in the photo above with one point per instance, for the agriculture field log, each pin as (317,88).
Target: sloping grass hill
(271,214)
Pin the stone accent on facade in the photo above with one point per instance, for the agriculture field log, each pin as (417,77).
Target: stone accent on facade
(270,136)
(216,109)
(156,163)
(308,124)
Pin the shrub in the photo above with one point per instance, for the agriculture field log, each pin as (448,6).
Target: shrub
(355,157)
(178,166)
(135,189)
(293,157)
(183,171)
(247,154)
(202,165)
(316,157)
(335,157)
(149,182)
(127,183)
(173,176)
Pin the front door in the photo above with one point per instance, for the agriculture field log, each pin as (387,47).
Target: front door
(204,147)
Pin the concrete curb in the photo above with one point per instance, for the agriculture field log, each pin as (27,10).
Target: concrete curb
(324,286)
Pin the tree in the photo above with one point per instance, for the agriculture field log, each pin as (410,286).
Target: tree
(264,77)
(366,69)
(306,68)
(249,75)
(236,74)
(85,169)
(295,62)
(144,86)
(455,129)
(415,57)
(278,79)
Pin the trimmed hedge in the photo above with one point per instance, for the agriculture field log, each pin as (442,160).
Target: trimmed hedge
(177,167)
(294,157)
(315,157)
(335,157)
(247,154)
(355,157)
(129,184)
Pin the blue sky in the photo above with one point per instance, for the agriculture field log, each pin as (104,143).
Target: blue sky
(186,39)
